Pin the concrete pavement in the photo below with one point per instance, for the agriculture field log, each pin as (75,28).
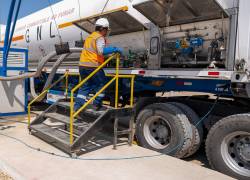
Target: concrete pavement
(26,163)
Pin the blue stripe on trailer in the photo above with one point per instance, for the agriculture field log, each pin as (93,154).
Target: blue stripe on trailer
(214,86)
(165,84)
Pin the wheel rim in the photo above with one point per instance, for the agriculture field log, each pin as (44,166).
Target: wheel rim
(235,150)
(157,132)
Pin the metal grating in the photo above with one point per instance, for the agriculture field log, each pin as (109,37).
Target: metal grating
(15,59)
(120,21)
(180,11)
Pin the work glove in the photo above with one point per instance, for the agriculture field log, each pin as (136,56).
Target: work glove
(110,49)
(119,50)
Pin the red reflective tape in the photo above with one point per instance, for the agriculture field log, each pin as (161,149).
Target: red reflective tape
(142,72)
(179,83)
(213,73)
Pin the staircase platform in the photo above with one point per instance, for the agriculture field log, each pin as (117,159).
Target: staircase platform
(53,126)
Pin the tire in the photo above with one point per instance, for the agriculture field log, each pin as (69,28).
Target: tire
(197,129)
(145,101)
(227,146)
(172,127)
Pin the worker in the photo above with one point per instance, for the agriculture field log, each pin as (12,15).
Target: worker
(92,56)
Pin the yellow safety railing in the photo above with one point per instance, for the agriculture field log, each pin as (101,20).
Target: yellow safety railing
(115,78)
(65,76)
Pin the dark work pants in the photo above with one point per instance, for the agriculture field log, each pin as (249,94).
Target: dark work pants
(94,84)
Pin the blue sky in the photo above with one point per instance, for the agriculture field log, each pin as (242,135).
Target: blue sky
(27,7)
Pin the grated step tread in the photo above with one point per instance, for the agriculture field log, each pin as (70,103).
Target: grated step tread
(87,111)
(53,134)
(58,117)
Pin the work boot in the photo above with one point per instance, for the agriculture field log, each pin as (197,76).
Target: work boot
(78,117)
(99,108)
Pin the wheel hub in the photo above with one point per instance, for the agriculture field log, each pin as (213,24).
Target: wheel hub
(244,149)
(157,132)
(162,131)
(235,151)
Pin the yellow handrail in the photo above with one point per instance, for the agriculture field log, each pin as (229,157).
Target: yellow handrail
(45,92)
(117,81)
(115,78)
(92,74)
(74,114)
(132,82)
(93,98)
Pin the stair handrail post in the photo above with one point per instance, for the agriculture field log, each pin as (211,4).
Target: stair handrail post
(29,118)
(71,117)
(117,81)
(67,84)
(132,91)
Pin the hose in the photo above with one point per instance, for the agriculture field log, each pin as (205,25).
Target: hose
(49,79)
(54,70)
(52,74)
(32,88)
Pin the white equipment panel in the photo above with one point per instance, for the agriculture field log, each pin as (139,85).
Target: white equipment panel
(13,94)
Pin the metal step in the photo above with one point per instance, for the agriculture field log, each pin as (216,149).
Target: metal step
(58,117)
(64,104)
(86,129)
(79,127)
(88,111)
(52,136)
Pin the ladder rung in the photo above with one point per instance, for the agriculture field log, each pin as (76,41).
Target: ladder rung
(58,117)
(88,111)
(76,136)
(123,132)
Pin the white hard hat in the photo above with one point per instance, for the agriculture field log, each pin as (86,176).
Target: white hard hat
(103,22)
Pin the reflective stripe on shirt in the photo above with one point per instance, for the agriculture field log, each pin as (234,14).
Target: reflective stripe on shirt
(89,64)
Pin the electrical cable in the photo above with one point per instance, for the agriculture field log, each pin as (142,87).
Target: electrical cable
(9,120)
(54,18)
(79,14)
(144,37)
(108,158)
(79,8)
(209,112)
(105,6)
(79,158)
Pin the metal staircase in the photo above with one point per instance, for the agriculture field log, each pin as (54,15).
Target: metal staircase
(86,129)
(53,127)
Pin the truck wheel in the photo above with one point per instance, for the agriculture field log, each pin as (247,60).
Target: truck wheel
(164,128)
(197,129)
(228,146)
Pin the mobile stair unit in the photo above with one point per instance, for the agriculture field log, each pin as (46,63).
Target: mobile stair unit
(77,131)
